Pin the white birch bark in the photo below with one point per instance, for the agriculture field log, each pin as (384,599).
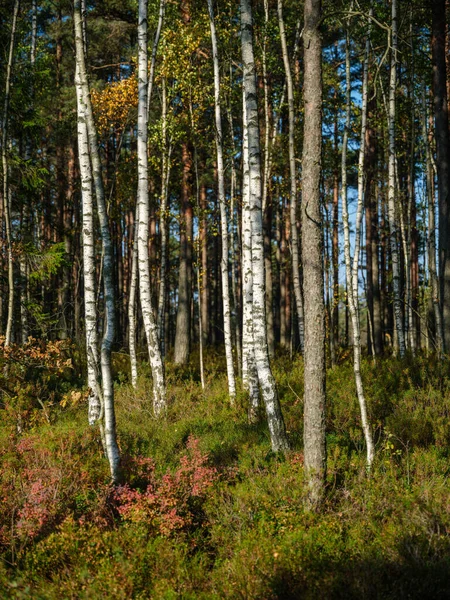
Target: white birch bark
(6,191)
(150,326)
(107,390)
(132,305)
(295,243)
(249,372)
(266,380)
(223,213)
(23,297)
(352,268)
(392,188)
(90,309)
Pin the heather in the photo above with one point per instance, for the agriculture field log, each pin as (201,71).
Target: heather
(205,509)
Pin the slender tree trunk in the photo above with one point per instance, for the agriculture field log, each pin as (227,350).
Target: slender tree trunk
(442,137)
(6,190)
(108,334)
(223,214)
(183,330)
(132,304)
(90,309)
(163,221)
(351,267)
(162,8)
(234,244)
(150,326)
(33,32)
(295,244)
(431,246)
(249,372)
(204,289)
(393,234)
(266,380)
(284,278)
(372,233)
(314,310)
(335,243)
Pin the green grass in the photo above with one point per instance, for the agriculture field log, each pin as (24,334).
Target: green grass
(386,535)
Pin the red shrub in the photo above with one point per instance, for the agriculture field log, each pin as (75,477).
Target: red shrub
(173,502)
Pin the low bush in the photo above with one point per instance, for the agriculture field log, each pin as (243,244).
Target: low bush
(206,510)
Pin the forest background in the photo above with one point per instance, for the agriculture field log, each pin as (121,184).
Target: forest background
(225,299)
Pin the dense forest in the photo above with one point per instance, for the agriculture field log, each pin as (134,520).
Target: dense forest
(225,299)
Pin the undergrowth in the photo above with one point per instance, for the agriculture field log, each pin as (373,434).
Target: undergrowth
(206,510)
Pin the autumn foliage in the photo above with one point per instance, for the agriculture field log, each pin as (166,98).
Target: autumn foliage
(114,104)
(170,503)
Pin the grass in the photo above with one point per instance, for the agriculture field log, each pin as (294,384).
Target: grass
(246,534)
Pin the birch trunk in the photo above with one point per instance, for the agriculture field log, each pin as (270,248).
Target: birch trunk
(223,213)
(89,267)
(6,191)
(351,268)
(249,372)
(23,297)
(150,326)
(393,234)
(295,243)
(132,305)
(266,380)
(315,368)
(112,449)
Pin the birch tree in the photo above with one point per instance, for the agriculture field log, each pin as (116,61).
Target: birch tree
(314,310)
(223,212)
(132,305)
(266,380)
(352,267)
(106,393)
(249,372)
(89,267)
(151,330)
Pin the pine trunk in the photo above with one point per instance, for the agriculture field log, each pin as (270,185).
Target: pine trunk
(314,310)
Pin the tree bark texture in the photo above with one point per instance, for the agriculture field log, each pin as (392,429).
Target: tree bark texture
(266,380)
(314,310)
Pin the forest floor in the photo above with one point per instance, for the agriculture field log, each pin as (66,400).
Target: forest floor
(208,511)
